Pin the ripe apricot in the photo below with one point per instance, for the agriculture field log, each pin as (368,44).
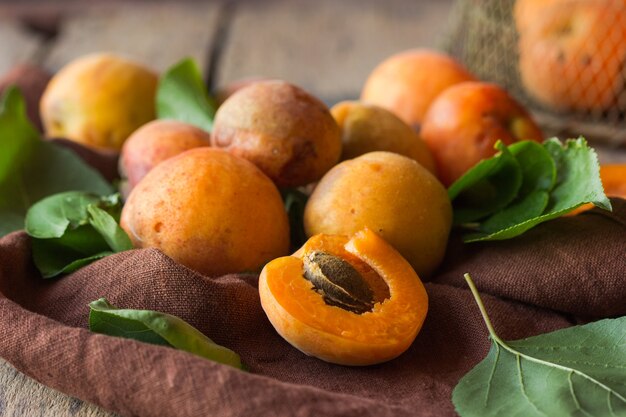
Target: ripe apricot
(408,82)
(196,207)
(464,123)
(572,53)
(286,132)
(152,144)
(299,309)
(391,194)
(526,12)
(369,128)
(99,100)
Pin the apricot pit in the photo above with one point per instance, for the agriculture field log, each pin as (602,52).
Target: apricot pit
(338,282)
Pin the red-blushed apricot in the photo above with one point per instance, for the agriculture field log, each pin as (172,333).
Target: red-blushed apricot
(464,123)
(285,131)
(391,194)
(210,211)
(152,144)
(369,128)
(296,301)
(99,100)
(408,82)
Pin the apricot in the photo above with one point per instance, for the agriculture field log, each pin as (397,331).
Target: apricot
(152,144)
(408,82)
(526,12)
(391,194)
(301,304)
(209,210)
(99,100)
(368,128)
(286,132)
(464,123)
(572,53)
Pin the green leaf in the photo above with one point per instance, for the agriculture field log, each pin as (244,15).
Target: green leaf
(17,134)
(73,229)
(53,258)
(516,213)
(31,169)
(578,371)
(52,216)
(157,328)
(295,202)
(578,182)
(578,179)
(487,187)
(538,167)
(105,224)
(538,178)
(182,95)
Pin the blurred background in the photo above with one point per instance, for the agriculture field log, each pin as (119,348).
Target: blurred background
(562,58)
(326,46)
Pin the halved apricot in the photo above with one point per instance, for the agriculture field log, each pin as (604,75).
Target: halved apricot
(301,312)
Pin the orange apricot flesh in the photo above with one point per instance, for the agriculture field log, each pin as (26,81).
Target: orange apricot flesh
(301,316)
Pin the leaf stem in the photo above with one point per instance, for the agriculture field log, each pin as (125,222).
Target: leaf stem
(481,307)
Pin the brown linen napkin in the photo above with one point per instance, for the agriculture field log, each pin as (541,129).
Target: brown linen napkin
(573,264)
(43,327)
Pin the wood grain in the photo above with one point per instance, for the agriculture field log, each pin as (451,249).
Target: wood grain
(155,34)
(21,396)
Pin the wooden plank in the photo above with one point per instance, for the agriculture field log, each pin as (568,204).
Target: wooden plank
(156,34)
(21,396)
(326,46)
(17,45)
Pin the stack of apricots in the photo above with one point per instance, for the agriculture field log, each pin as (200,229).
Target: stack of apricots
(376,170)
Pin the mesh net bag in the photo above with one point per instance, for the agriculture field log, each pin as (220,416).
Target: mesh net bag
(564,59)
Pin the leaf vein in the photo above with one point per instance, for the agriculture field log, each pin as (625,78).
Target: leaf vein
(493,371)
(523,387)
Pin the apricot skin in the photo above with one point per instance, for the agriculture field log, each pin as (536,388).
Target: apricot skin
(152,144)
(408,82)
(391,194)
(369,128)
(332,334)
(196,207)
(286,132)
(98,100)
(464,123)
